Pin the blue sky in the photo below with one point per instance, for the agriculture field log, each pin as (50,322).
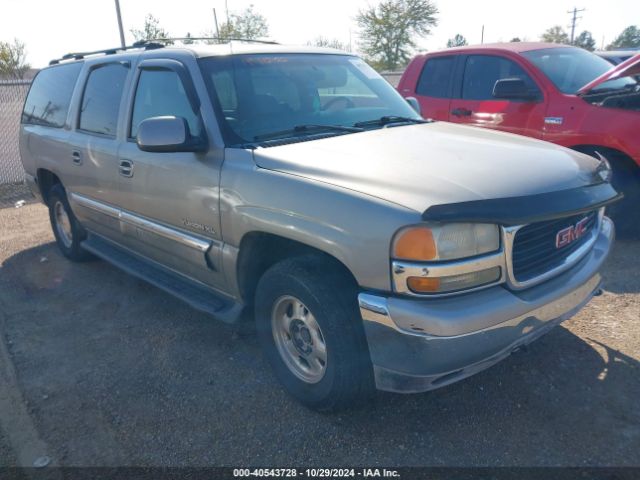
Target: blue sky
(51,28)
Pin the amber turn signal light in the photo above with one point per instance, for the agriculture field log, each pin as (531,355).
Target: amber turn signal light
(415,243)
(423,284)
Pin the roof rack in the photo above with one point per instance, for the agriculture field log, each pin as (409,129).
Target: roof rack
(147,45)
(219,39)
(153,44)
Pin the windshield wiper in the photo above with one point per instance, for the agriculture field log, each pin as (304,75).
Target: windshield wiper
(306,128)
(387,119)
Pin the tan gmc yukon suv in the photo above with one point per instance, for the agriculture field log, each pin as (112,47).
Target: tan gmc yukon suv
(294,185)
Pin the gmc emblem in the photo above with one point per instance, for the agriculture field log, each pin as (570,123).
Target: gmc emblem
(570,234)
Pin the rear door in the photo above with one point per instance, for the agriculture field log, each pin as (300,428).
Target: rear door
(435,86)
(474,103)
(93,148)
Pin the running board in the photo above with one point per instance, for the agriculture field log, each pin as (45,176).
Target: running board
(196,295)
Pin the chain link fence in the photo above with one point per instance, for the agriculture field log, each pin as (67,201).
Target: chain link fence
(12,187)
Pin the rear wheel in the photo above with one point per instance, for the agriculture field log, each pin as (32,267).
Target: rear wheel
(311,332)
(66,228)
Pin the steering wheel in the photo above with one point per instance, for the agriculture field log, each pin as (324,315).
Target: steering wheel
(331,102)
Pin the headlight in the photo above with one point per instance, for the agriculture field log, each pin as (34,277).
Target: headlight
(446,258)
(445,242)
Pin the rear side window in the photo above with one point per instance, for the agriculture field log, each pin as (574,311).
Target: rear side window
(481,73)
(160,93)
(101,99)
(50,94)
(436,77)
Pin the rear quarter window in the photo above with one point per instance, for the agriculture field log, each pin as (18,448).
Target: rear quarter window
(50,94)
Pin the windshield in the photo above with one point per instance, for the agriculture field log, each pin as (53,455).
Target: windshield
(572,68)
(264,95)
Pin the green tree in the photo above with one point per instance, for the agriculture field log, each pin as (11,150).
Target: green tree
(329,43)
(457,41)
(388,30)
(629,38)
(247,24)
(585,40)
(515,39)
(555,35)
(151,30)
(13,59)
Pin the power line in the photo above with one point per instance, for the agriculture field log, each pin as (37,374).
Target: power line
(574,20)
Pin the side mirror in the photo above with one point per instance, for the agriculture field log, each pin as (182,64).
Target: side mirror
(512,89)
(167,134)
(415,104)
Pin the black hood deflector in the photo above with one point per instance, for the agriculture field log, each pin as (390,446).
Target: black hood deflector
(526,209)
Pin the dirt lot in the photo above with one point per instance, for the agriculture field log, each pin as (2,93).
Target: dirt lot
(98,368)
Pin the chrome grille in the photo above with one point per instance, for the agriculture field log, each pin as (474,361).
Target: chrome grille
(534,250)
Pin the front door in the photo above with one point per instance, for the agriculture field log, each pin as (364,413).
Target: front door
(170,200)
(475,104)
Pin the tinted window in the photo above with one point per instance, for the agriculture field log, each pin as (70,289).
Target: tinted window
(161,93)
(436,77)
(101,99)
(483,71)
(48,100)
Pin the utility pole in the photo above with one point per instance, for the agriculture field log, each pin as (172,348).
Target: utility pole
(482,36)
(122,44)
(215,19)
(574,21)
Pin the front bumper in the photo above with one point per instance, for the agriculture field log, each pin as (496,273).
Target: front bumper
(420,345)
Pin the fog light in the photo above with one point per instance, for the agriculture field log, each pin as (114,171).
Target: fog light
(453,282)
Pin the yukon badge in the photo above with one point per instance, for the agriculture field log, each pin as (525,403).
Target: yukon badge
(568,235)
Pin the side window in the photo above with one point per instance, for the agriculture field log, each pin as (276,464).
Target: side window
(481,73)
(435,78)
(101,99)
(160,93)
(50,94)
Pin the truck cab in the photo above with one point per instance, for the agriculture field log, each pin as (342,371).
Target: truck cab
(552,92)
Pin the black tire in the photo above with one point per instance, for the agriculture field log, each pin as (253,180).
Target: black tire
(69,243)
(331,297)
(626,180)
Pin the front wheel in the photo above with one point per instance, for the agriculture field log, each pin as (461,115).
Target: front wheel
(311,332)
(626,180)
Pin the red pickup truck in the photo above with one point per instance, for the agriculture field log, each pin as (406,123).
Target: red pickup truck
(557,93)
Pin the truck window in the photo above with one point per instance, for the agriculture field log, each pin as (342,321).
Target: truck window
(481,73)
(435,78)
(101,99)
(160,93)
(50,94)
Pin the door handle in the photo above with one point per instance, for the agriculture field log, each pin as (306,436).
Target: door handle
(76,158)
(461,112)
(126,168)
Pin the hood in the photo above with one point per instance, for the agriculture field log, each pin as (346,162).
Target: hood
(629,67)
(418,166)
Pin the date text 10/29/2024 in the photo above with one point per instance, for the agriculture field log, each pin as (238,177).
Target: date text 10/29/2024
(316,473)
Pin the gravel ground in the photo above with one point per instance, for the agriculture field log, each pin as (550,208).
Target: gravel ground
(101,369)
